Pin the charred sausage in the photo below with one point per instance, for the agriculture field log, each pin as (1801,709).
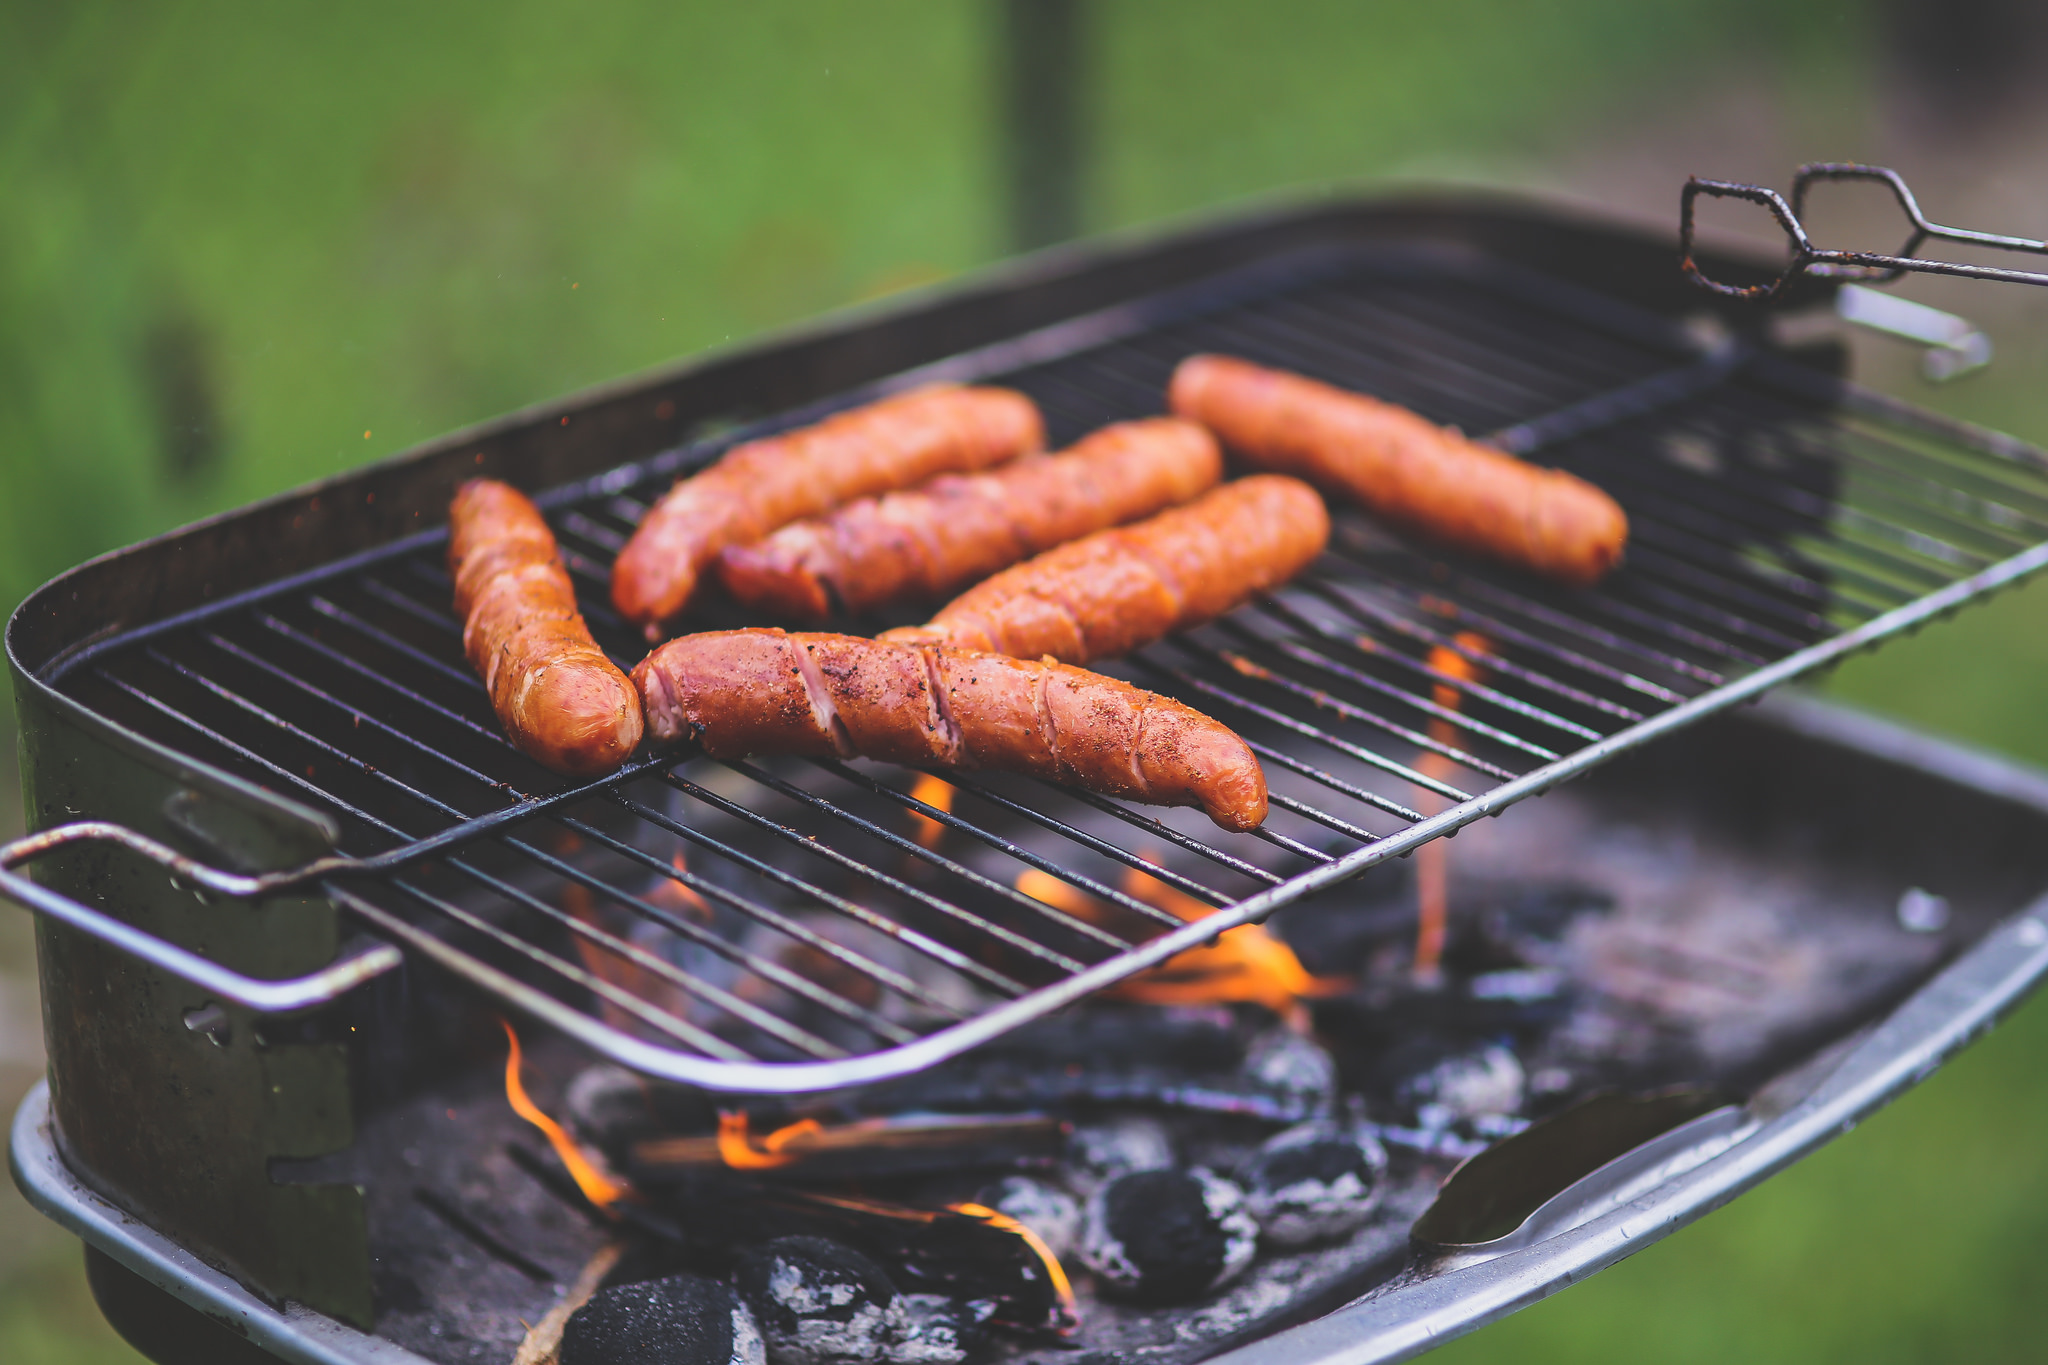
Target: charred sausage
(1117,590)
(739,692)
(1405,468)
(923,544)
(561,701)
(765,484)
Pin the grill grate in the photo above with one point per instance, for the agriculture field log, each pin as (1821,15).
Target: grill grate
(792,924)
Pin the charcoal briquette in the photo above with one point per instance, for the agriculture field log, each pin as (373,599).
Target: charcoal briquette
(1167,1236)
(679,1320)
(1312,1183)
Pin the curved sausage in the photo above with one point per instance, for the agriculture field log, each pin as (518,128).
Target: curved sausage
(1405,468)
(1118,590)
(956,530)
(739,692)
(764,484)
(560,699)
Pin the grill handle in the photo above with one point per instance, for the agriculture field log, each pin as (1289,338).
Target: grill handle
(1869,267)
(265,997)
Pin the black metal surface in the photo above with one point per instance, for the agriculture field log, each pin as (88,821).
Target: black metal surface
(1771,508)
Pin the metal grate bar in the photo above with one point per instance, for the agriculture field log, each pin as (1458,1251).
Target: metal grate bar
(1778,519)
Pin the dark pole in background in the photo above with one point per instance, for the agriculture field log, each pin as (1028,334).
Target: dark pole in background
(1041,75)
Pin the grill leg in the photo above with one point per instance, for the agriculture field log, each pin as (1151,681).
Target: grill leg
(167,1330)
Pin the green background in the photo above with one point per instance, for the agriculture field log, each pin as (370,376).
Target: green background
(244,246)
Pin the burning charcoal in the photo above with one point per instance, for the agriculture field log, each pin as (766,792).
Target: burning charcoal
(1289,1064)
(821,1302)
(1167,1236)
(1053,1214)
(1488,1081)
(1107,1054)
(681,1320)
(1102,1151)
(1313,1182)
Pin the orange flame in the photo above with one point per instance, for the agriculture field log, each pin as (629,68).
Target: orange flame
(598,1187)
(735,1147)
(1043,886)
(1245,965)
(1054,1271)
(1432,860)
(938,794)
(680,895)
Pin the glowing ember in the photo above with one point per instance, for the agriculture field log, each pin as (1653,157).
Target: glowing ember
(1432,867)
(1055,1272)
(938,794)
(737,1149)
(598,1187)
(1245,965)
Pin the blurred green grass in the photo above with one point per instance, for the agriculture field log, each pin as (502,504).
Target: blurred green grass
(243,246)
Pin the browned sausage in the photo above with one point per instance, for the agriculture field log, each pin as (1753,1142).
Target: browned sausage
(768,483)
(739,692)
(925,543)
(559,698)
(1120,589)
(1405,468)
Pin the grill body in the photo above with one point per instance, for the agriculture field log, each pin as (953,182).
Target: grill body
(209,1120)
(1877,804)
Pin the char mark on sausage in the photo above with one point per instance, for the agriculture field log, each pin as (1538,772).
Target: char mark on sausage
(764,691)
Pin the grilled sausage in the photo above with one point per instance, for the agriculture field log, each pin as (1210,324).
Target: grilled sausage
(738,692)
(957,529)
(1117,590)
(764,484)
(1405,468)
(561,701)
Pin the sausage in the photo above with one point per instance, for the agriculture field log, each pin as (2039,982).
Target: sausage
(1117,590)
(1412,472)
(764,484)
(560,699)
(934,540)
(765,691)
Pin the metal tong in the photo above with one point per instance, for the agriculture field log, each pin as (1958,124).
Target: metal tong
(1867,267)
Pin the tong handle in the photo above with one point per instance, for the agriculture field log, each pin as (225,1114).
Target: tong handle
(327,984)
(1863,266)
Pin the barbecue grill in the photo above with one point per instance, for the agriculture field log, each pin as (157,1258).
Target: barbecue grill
(286,865)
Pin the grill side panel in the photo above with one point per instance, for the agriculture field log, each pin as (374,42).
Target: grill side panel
(177,1124)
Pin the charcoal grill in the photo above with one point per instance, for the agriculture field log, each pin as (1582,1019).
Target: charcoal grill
(276,818)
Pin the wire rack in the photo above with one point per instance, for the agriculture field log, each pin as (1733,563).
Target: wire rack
(797,925)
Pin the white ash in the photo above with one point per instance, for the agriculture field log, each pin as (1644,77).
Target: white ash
(1314,1182)
(1103,1151)
(1165,1236)
(1053,1214)
(821,1303)
(603,1100)
(1293,1065)
(1489,1081)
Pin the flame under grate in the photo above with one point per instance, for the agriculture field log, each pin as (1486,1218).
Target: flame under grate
(789,925)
